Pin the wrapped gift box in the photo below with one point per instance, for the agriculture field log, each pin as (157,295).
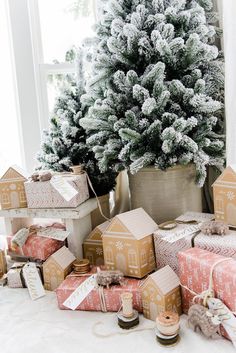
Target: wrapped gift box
(42,194)
(222,245)
(92,302)
(15,278)
(169,242)
(36,247)
(194,271)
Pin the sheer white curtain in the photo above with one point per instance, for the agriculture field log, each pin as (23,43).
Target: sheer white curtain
(229,26)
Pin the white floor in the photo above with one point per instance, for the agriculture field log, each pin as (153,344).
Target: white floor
(40,327)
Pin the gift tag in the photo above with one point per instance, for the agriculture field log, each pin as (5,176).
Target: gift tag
(33,281)
(20,237)
(81,293)
(63,187)
(53,233)
(179,234)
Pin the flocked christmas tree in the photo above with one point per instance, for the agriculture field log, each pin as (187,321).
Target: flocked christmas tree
(64,144)
(156,95)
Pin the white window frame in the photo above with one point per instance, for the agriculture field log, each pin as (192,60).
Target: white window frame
(31,72)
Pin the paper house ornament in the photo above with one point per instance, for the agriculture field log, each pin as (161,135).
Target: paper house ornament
(3,263)
(128,243)
(161,292)
(57,267)
(12,190)
(92,245)
(224,192)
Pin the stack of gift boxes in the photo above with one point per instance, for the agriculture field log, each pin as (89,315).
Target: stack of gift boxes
(164,267)
(44,246)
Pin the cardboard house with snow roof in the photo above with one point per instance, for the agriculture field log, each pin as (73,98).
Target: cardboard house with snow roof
(92,245)
(161,292)
(57,267)
(12,189)
(128,243)
(224,193)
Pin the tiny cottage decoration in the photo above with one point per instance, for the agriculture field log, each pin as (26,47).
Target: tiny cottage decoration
(57,267)
(224,192)
(12,190)
(92,245)
(128,243)
(161,292)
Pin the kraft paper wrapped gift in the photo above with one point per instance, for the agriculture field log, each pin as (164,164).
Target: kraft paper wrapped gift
(92,301)
(43,194)
(169,242)
(195,265)
(36,247)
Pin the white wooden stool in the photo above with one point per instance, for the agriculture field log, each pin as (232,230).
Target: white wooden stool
(77,221)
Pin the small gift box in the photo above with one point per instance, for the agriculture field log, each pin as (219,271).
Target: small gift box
(195,266)
(15,277)
(99,298)
(169,242)
(66,190)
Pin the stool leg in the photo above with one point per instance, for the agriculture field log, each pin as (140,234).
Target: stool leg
(79,230)
(12,225)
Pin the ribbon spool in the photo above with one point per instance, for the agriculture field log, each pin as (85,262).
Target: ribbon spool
(127,304)
(128,317)
(168,323)
(81,266)
(167,341)
(167,328)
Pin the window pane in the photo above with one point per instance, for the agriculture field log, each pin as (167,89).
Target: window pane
(54,84)
(9,131)
(64,24)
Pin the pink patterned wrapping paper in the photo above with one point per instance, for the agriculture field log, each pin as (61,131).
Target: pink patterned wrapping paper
(44,195)
(36,247)
(92,301)
(194,271)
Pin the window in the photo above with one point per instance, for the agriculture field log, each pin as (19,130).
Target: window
(89,256)
(219,205)
(39,37)
(143,258)
(132,258)
(55,47)
(22,196)
(5,198)
(109,255)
